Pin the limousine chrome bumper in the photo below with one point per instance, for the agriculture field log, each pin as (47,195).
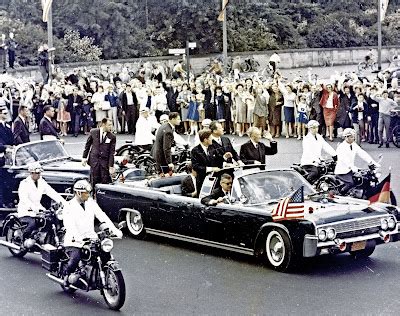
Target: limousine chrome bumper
(312,247)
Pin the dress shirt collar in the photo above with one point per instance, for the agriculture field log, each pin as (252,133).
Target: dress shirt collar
(204,148)
(254,143)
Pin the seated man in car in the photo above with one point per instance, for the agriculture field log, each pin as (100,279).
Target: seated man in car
(30,193)
(221,194)
(189,185)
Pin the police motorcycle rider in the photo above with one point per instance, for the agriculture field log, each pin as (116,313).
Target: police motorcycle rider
(313,145)
(78,216)
(346,154)
(30,192)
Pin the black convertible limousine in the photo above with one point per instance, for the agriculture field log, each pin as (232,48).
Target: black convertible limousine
(330,224)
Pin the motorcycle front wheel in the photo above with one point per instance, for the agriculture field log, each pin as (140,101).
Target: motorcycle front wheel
(14,235)
(115,292)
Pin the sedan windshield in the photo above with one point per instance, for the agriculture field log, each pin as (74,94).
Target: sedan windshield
(40,151)
(271,185)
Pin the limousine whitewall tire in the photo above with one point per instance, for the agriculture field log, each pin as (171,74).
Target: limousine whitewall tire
(279,250)
(134,223)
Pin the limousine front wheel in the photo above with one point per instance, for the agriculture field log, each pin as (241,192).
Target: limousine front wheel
(135,225)
(279,250)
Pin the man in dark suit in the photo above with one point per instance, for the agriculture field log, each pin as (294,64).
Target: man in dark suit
(222,149)
(254,151)
(221,194)
(6,141)
(189,183)
(99,153)
(161,150)
(21,126)
(75,107)
(47,129)
(201,156)
(130,108)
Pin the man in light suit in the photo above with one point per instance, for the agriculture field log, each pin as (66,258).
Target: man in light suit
(99,153)
(161,150)
(254,151)
(21,127)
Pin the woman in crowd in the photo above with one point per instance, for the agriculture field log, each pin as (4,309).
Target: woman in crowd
(330,104)
(98,99)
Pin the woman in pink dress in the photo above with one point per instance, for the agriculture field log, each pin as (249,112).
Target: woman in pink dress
(63,116)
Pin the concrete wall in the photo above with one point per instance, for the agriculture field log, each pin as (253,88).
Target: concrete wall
(289,59)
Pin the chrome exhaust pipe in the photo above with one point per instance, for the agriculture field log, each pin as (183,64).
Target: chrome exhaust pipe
(9,245)
(59,281)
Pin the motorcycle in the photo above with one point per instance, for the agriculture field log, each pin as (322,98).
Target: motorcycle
(49,231)
(180,158)
(325,167)
(130,151)
(365,182)
(97,270)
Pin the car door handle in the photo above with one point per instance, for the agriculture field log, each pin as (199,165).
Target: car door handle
(185,204)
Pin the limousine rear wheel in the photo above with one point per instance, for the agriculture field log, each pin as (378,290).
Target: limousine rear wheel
(279,250)
(135,224)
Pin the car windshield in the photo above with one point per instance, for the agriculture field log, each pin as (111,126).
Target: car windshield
(267,186)
(40,151)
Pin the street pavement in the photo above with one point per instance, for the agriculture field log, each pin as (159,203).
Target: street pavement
(175,278)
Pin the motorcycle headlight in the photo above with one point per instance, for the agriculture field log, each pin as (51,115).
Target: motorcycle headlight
(59,215)
(391,223)
(322,235)
(324,187)
(331,233)
(107,245)
(384,224)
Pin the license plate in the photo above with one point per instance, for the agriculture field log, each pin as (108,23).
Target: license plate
(359,245)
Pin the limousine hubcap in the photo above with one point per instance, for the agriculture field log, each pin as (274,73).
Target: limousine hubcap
(135,223)
(275,248)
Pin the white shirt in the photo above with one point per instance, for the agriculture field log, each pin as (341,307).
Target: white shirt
(143,132)
(312,149)
(30,196)
(129,98)
(160,102)
(79,222)
(347,156)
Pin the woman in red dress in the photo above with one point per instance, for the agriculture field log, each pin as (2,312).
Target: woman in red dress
(330,104)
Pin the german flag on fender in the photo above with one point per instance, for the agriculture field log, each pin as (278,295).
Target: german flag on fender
(381,193)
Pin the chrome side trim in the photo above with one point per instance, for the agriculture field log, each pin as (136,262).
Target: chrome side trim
(199,241)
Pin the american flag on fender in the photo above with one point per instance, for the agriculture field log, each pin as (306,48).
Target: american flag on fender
(290,207)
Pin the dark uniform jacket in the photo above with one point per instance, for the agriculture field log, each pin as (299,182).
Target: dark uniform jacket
(161,151)
(46,127)
(6,138)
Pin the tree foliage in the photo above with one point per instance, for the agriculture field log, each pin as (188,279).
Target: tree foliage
(135,28)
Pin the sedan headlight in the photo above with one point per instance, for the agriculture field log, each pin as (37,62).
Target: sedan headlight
(391,223)
(384,224)
(322,235)
(107,245)
(331,233)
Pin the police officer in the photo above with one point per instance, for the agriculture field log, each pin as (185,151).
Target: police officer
(78,217)
(30,193)
(6,142)
(346,154)
(313,145)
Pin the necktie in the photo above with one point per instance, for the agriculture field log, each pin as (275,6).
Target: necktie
(103,137)
(83,205)
(351,147)
(36,183)
(315,137)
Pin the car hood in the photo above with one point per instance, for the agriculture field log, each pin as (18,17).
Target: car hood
(68,165)
(341,208)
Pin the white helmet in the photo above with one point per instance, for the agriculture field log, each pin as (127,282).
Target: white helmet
(312,123)
(82,186)
(35,168)
(349,132)
(206,122)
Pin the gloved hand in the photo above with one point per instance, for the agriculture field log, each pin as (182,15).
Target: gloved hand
(334,158)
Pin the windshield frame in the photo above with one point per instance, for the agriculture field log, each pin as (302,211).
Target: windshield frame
(38,144)
(239,195)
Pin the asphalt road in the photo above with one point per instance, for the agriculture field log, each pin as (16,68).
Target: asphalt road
(175,278)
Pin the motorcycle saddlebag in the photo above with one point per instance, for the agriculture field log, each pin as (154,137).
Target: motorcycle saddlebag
(49,257)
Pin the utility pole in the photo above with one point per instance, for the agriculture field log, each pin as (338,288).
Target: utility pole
(379,36)
(224,37)
(50,40)
(188,62)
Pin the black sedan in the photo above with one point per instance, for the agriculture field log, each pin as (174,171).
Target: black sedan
(245,224)
(60,169)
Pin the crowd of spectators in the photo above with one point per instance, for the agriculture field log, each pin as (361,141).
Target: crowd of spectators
(276,105)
